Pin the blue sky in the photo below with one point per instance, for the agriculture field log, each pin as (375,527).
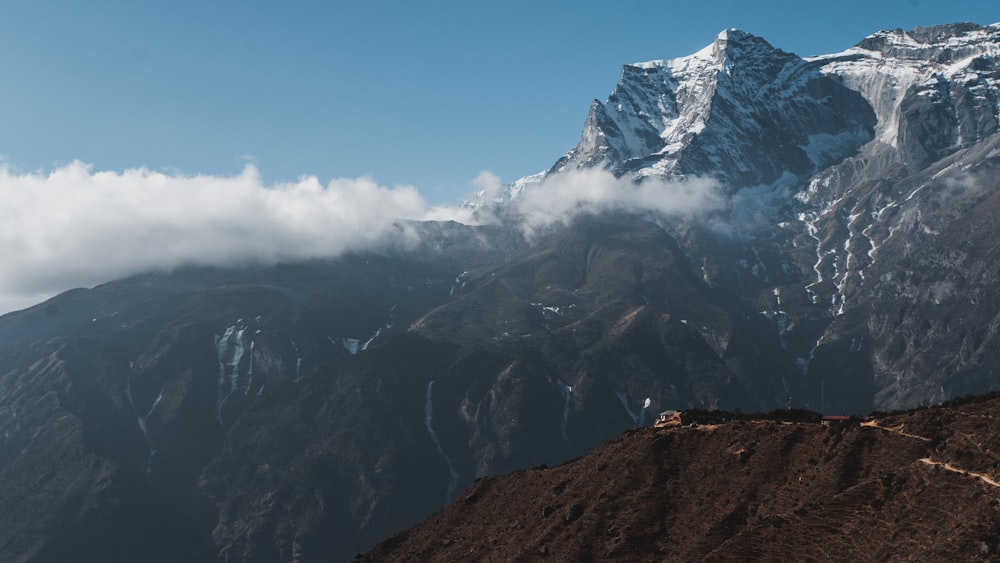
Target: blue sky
(421,93)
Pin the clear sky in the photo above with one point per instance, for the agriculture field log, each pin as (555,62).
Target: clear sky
(427,93)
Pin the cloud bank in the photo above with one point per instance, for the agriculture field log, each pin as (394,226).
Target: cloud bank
(74,227)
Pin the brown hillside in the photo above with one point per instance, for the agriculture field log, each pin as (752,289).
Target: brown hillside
(923,485)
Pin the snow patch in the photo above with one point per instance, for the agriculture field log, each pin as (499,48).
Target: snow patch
(368,342)
(460,281)
(351,345)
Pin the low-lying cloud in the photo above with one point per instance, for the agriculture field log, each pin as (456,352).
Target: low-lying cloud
(74,227)
(561,197)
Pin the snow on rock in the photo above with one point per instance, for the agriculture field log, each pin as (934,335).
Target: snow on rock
(460,282)
(246,390)
(915,79)
(368,342)
(352,345)
(229,349)
(567,392)
(429,424)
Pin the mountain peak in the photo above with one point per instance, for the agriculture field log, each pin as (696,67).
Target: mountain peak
(736,36)
(735,32)
(727,45)
(734,40)
(711,112)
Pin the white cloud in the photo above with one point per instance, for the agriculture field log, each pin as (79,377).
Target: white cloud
(561,197)
(75,227)
(487,185)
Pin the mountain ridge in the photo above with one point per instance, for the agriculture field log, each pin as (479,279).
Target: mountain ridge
(937,45)
(306,410)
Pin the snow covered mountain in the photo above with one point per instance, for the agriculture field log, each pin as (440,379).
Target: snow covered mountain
(843,171)
(739,110)
(748,113)
(849,262)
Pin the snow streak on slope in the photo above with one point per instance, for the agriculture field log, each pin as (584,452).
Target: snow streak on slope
(229,351)
(143,416)
(145,431)
(567,392)
(429,423)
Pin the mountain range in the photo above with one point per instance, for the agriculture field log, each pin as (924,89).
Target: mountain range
(782,232)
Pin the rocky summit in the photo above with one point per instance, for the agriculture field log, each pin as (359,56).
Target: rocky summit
(741,228)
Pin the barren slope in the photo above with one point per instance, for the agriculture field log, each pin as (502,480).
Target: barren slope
(919,485)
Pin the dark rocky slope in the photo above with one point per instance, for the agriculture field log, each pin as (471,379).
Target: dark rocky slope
(918,485)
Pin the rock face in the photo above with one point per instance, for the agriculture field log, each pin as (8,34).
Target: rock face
(303,412)
(740,490)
